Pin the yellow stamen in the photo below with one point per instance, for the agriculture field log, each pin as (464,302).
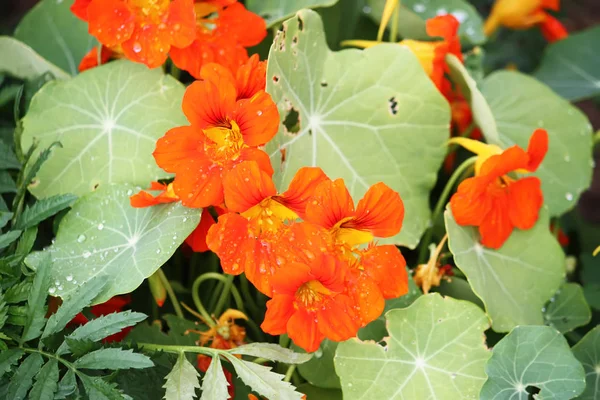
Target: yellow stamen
(227,141)
(311,294)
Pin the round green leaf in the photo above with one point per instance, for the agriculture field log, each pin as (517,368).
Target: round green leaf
(104,235)
(536,356)
(568,309)
(21,61)
(516,281)
(51,29)
(587,351)
(436,350)
(276,11)
(107,120)
(570,66)
(520,105)
(319,370)
(364,116)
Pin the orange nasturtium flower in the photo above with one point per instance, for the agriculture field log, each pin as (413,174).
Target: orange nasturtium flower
(494,201)
(225,129)
(309,303)
(248,241)
(144,30)
(524,14)
(224,29)
(90,60)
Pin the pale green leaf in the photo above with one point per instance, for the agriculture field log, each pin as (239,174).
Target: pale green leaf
(98,389)
(587,351)
(568,309)
(46,382)
(182,381)
(51,29)
(22,380)
(108,120)
(66,386)
(8,238)
(36,302)
(9,358)
(214,383)
(435,350)
(104,235)
(44,209)
(320,370)
(525,272)
(364,116)
(275,11)
(263,381)
(570,66)
(273,352)
(82,296)
(21,61)
(113,359)
(537,356)
(520,105)
(104,326)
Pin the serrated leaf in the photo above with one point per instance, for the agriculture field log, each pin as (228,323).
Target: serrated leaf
(19,292)
(98,389)
(66,386)
(272,352)
(182,381)
(101,327)
(83,296)
(436,350)
(46,382)
(36,315)
(587,351)
(521,104)
(113,359)
(568,309)
(276,11)
(104,235)
(537,356)
(51,29)
(525,272)
(569,66)
(9,358)
(43,209)
(108,121)
(359,115)
(263,381)
(8,238)
(214,383)
(21,381)
(21,61)
(79,347)
(5,217)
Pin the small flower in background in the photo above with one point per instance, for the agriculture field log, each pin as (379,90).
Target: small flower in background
(431,274)
(90,60)
(115,304)
(494,201)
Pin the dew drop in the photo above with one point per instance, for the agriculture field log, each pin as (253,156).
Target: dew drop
(100,227)
(86,254)
(137,47)
(60,288)
(69,278)
(57,283)
(157,251)
(129,192)
(567,158)
(52,290)
(259,113)
(81,238)
(569,196)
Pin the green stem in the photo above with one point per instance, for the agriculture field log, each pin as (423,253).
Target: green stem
(289,373)
(224,294)
(261,360)
(196,296)
(394,27)
(440,206)
(179,349)
(171,293)
(596,138)
(50,355)
(284,340)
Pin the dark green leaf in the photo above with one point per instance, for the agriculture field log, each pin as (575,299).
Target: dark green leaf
(19,292)
(22,380)
(36,316)
(4,218)
(113,359)
(44,209)
(66,386)
(8,92)
(99,389)
(3,311)
(568,309)
(79,347)
(9,358)
(7,184)
(80,298)
(8,238)
(320,370)
(8,160)
(587,351)
(46,382)
(147,383)
(17,315)
(26,242)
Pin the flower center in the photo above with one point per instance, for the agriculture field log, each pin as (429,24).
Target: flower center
(269,215)
(227,142)
(312,294)
(152,9)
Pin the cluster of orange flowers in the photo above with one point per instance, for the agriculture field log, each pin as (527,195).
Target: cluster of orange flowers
(192,33)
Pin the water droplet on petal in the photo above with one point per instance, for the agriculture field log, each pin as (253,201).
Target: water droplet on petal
(137,47)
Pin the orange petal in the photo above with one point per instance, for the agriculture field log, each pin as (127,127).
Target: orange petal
(526,199)
(206,104)
(496,227)
(248,28)
(110,21)
(197,239)
(446,27)
(537,149)
(251,78)
(177,147)
(469,204)
(337,320)
(148,45)
(303,242)
(258,119)
(261,260)
(302,188)
(366,296)
(90,60)
(330,204)
(303,330)
(79,8)
(145,199)
(387,267)
(509,160)
(279,311)
(225,239)
(553,30)
(182,22)
(246,186)
(287,280)
(259,156)
(199,183)
(380,211)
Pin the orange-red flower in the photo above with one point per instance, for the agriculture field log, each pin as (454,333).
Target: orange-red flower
(223,31)
(497,203)
(115,304)
(144,30)
(310,305)
(90,60)
(553,30)
(247,242)
(225,129)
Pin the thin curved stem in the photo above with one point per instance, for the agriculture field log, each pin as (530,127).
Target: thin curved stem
(198,303)
(170,292)
(224,294)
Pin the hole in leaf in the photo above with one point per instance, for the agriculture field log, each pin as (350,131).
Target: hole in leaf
(532,391)
(283,154)
(95,186)
(295,40)
(292,121)
(300,24)
(393,105)
(310,132)
(324,84)
(266,16)
(275,78)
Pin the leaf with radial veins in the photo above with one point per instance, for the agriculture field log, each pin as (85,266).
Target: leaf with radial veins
(520,105)
(108,120)
(275,11)
(587,351)
(536,356)
(525,272)
(568,309)
(435,350)
(104,235)
(21,61)
(364,116)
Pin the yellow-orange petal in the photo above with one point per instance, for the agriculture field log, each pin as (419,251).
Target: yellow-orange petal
(301,189)
(258,118)
(330,204)
(246,186)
